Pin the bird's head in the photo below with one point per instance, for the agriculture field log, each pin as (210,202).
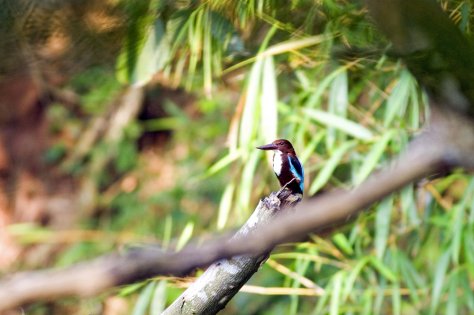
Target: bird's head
(280,144)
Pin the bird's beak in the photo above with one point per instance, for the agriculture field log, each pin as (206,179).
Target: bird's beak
(270,146)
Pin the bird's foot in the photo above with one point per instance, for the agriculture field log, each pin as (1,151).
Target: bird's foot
(284,187)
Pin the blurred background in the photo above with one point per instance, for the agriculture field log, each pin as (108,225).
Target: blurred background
(125,123)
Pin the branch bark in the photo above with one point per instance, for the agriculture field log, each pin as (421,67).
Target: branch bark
(223,279)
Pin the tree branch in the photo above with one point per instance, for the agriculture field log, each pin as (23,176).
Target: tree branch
(423,157)
(222,280)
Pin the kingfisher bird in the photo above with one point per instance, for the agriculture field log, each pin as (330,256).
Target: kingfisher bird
(286,165)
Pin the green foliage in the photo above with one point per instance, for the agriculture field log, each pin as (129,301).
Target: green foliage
(96,87)
(412,253)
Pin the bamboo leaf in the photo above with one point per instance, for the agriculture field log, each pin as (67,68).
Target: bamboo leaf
(297,44)
(336,292)
(351,278)
(246,184)
(347,126)
(250,113)
(408,205)
(158,303)
(457,231)
(343,243)
(438,281)
(383,269)
(471,206)
(396,299)
(338,100)
(152,57)
(414,121)
(373,157)
(144,299)
(207,54)
(465,286)
(452,302)
(458,220)
(167,230)
(398,99)
(302,265)
(329,167)
(280,48)
(317,92)
(269,102)
(195,43)
(379,297)
(323,300)
(225,205)
(310,148)
(382,225)
(129,289)
(410,277)
(368,300)
(395,259)
(185,235)
(223,162)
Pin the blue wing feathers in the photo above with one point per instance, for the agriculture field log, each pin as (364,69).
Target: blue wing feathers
(297,169)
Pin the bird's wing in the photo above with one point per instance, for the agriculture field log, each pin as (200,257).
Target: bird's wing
(296,169)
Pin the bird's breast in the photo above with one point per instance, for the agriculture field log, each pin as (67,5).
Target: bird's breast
(277,162)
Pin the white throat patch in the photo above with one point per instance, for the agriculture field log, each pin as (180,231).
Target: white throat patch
(277,162)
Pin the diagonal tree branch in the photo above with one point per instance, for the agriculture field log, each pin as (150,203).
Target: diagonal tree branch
(223,279)
(423,157)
